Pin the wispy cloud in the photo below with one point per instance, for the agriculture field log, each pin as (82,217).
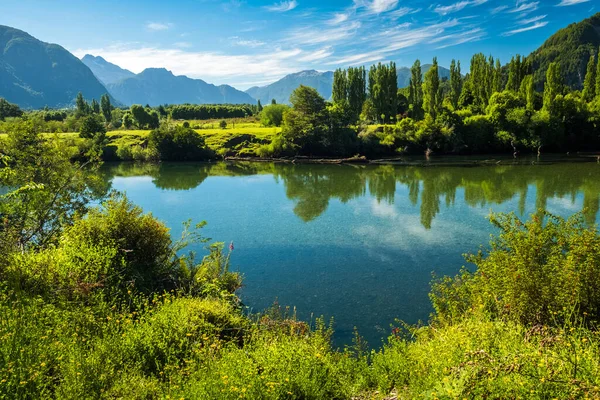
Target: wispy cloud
(338,18)
(523,7)
(377,6)
(158,26)
(537,25)
(564,3)
(282,6)
(452,8)
(308,35)
(499,9)
(531,20)
(237,41)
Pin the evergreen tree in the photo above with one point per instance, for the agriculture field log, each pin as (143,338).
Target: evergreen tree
(553,86)
(273,102)
(416,91)
(106,107)
(259,106)
(431,90)
(589,84)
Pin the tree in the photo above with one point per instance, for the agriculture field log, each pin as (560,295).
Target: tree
(81,105)
(416,91)
(497,81)
(357,91)
(95,107)
(259,106)
(456,83)
(46,189)
(223,124)
(178,144)
(273,115)
(273,101)
(304,125)
(145,118)
(553,86)
(340,87)
(598,75)
(9,110)
(127,120)
(106,107)
(92,127)
(589,84)
(431,88)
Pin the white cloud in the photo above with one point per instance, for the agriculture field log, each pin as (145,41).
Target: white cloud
(158,26)
(523,7)
(238,70)
(283,6)
(308,35)
(570,2)
(537,25)
(452,8)
(338,18)
(531,20)
(376,6)
(499,9)
(237,41)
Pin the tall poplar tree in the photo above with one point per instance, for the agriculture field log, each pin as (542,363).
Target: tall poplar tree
(431,90)
(357,90)
(340,87)
(106,107)
(553,86)
(589,84)
(416,91)
(456,83)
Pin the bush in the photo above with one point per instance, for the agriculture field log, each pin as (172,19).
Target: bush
(543,271)
(178,144)
(273,115)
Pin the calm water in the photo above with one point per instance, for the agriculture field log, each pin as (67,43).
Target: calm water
(357,243)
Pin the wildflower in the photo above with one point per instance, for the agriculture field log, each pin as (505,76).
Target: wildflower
(231,246)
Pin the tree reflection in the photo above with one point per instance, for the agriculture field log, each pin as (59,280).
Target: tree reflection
(311,187)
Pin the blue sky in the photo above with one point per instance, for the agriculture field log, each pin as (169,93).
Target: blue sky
(251,42)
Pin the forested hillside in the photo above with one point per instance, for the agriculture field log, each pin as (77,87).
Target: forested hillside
(572,48)
(34,74)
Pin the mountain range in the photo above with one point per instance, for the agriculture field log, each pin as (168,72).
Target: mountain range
(34,74)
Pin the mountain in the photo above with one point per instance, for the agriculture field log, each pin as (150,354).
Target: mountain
(106,72)
(34,74)
(571,47)
(156,86)
(404,74)
(281,90)
(322,81)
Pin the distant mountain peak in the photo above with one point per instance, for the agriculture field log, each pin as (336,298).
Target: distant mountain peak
(105,71)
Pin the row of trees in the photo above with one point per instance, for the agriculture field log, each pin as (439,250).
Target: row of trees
(491,109)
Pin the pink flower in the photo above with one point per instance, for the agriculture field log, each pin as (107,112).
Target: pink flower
(231,246)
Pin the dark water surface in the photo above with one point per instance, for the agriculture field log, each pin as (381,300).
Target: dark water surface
(357,243)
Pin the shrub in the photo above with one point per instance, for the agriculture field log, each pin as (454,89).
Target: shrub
(543,271)
(178,144)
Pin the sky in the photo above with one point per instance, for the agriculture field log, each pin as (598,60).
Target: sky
(248,43)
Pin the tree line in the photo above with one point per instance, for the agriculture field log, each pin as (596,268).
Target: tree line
(493,108)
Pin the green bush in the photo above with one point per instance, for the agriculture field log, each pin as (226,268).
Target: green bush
(178,144)
(544,271)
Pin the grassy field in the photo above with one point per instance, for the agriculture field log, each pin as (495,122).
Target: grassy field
(240,139)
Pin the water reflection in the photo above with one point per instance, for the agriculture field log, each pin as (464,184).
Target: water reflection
(312,187)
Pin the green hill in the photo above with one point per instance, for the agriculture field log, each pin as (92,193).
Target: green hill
(34,74)
(572,47)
